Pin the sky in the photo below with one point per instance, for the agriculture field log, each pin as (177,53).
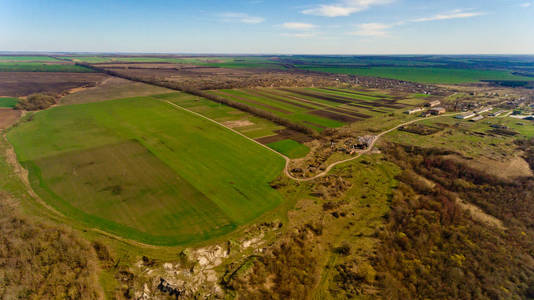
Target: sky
(269,26)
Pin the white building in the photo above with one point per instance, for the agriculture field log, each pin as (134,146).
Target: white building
(465,116)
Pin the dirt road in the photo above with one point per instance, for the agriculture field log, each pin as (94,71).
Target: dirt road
(288,160)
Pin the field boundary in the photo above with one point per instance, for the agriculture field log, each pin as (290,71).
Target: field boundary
(288,160)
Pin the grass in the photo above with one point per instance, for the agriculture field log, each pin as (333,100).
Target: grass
(8,102)
(27,58)
(321,108)
(290,148)
(41,67)
(255,127)
(424,75)
(273,101)
(470,139)
(144,170)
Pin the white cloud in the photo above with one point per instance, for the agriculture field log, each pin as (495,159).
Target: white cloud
(298,26)
(241,18)
(301,35)
(456,14)
(372,30)
(343,8)
(526,4)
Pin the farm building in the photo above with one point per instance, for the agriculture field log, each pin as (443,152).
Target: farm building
(433,103)
(464,116)
(413,111)
(437,111)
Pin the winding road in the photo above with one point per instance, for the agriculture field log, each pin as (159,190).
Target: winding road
(331,166)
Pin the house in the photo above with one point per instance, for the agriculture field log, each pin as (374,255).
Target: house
(477,118)
(437,111)
(465,116)
(413,111)
(433,103)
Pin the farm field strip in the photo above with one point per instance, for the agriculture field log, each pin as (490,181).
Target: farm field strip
(431,75)
(176,149)
(8,102)
(347,112)
(24,58)
(311,107)
(297,114)
(42,67)
(345,93)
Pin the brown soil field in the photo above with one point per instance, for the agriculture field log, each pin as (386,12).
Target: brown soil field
(256,103)
(389,103)
(334,116)
(350,112)
(112,88)
(280,94)
(237,123)
(8,117)
(18,84)
(276,98)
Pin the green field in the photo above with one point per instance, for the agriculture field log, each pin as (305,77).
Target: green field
(290,148)
(145,170)
(8,102)
(252,126)
(424,75)
(226,62)
(316,108)
(41,67)
(27,58)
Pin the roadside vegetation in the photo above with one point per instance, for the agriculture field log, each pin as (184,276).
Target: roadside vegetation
(36,102)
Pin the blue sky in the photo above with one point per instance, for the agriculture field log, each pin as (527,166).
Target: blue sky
(270,26)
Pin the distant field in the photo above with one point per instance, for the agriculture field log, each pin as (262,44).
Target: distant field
(113,88)
(226,62)
(27,58)
(145,170)
(41,67)
(316,108)
(424,75)
(20,84)
(8,102)
(290,148)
